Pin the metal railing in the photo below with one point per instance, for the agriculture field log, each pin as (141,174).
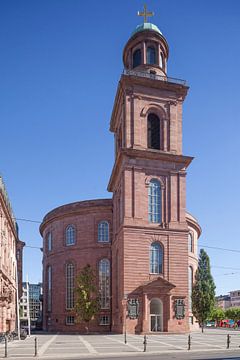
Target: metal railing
(153,76)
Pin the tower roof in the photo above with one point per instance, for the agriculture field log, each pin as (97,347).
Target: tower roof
(146,26)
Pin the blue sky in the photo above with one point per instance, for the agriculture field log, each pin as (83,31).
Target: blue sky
(59,68)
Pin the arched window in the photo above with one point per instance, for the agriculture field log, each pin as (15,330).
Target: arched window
(70,235)
(154,201)
(156,258)
(104,283)
(69,286)
(153,132)
(103,231)
(190,286)
(137,58)
(190,242)
(49,288)
(151,55)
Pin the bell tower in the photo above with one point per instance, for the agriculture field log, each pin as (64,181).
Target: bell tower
(148,181)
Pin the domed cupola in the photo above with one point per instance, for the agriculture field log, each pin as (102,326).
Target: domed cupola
(147,49)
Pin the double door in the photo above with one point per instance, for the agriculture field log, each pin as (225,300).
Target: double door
(156,323)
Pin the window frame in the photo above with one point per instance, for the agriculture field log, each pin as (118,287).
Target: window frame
(49,288)
(139,51)
(154,132)
(151,54)
(104,283)
(49,241)
(155,201)
(190,242)
(70,235)
(104,323)
(69,278)
(68,317)
(103,235)
(152,259)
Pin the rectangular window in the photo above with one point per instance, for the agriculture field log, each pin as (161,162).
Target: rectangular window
(49,241)
(104,320)
(69,286)
(49,297)
(70,320)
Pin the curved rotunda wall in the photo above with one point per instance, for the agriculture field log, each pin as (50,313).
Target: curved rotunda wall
(193,236)
(84,217)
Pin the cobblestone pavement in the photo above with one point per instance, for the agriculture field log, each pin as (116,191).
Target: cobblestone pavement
(92,346)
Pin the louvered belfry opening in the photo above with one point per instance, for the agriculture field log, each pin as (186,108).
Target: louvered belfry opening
(153,132)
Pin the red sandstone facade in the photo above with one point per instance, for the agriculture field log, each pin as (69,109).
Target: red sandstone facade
(152,241)
(10,263)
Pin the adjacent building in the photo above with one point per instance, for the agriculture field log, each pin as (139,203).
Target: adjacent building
(142,241)
(10,268)
(230,300)
(223,301)
(34,296)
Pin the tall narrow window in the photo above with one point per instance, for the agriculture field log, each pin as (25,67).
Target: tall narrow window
(137,58)
(190,242)
(151,55)
(160,60)
(156,258)
(70,235)
(103,231)
(190,286)
(153,132)
(154,201)
(49,288)
(49,241)
(104,283)
(69,286)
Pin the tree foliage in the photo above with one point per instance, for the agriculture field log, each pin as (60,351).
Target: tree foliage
(233,313)
(203,293)
(87,301)
(217,314)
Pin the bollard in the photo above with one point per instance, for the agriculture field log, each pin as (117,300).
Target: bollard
(228,341)
(189,342)
(35,347)
(145,343)
(125,337)
(6,347)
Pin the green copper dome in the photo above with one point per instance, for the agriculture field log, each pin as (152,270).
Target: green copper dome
(146,26)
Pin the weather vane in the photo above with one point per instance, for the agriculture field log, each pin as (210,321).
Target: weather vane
(145,14)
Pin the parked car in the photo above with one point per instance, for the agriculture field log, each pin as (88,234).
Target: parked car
(210,324)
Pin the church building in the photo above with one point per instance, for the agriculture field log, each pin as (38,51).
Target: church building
(142,242)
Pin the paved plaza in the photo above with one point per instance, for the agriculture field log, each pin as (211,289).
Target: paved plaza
(61,346)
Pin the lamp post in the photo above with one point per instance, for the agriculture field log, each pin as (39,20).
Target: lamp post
(125,319)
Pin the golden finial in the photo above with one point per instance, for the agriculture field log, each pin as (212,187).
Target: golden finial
(145,13)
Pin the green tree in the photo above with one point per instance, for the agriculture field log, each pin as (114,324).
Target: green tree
(233,313)
(203,294)
(217,314)
(87,301)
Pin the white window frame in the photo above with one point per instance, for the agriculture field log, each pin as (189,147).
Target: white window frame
(104,320)
(70,235)
(154,201)
(70,320)
(104,283)
(156,258)
(69,286)
(103,232)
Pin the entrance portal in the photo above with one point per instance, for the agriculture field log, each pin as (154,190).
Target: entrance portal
(156,315)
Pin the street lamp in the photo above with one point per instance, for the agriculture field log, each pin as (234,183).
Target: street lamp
(125,319)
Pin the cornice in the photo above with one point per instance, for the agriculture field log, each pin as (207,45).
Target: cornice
(148,154)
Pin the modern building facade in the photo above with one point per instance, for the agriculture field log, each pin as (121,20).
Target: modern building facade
(33,300)
(142,242)
(9,245)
